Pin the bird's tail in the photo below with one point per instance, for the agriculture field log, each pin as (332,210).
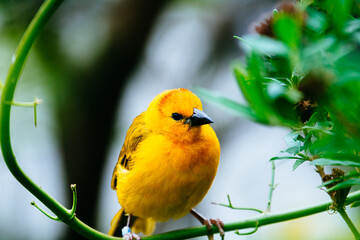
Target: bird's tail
(144,225)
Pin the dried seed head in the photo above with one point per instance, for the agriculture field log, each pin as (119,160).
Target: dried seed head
(338,196)
(265,27)
(313,86)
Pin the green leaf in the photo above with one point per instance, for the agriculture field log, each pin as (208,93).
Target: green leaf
(275,90)
(298,163)
(281,81)
(279,67)
(283,101)
(339,51)
(316,21)
(250,83)
(285,157)
(318,47)
(352,26)
(308,141)
(339,12)
(241,76)
(234,107)
(287,29)
(264,45)
(325,161)
(317,127)
(340,179)
(291,139)
(337,146)
(293,95)
(275,12)
(346,184)
(355,204)
(340,156)
(293,150)
(319,122)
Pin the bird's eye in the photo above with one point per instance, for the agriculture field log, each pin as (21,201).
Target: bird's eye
(177,116)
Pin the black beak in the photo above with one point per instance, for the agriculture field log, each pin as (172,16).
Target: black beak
(199,118)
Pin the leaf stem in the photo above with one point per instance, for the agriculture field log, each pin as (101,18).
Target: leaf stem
(350,224)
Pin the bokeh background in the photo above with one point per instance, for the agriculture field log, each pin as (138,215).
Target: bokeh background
(96,66)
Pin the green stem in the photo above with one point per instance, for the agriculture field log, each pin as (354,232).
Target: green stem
(272,186)
(229,205)
(248,233)
(23,104)
(239,208)
(262,220)
(349,223)
(45,213)
(73,209)
(28,104)
(18,60)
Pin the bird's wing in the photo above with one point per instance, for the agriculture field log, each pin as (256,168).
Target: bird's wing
(136,133)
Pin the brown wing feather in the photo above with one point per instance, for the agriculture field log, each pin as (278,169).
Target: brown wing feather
(135,134)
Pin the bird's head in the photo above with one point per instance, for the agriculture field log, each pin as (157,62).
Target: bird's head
(178,113)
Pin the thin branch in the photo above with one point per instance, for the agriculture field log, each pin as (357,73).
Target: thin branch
(28,104)
(261,220)
(73,208)
(272,186)
(248,233)
(18,60)
(338,204)
(229,205)
(36,102)
(25,104)
(72,211)
(349,223)
(45,213)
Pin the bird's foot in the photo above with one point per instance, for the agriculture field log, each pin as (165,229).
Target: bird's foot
(131,236)
(218,223)
(128,235)
(209,224)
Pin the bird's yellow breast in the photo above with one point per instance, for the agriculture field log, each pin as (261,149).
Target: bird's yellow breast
(168,177)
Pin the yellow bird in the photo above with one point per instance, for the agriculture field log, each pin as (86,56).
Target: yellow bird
(166,166)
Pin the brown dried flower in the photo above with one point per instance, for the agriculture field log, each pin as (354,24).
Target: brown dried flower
(265,27)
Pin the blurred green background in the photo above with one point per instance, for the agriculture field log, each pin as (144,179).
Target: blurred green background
(96,66)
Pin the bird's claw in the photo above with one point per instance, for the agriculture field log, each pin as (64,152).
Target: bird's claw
(131,236)
(128,235)
(218,223)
